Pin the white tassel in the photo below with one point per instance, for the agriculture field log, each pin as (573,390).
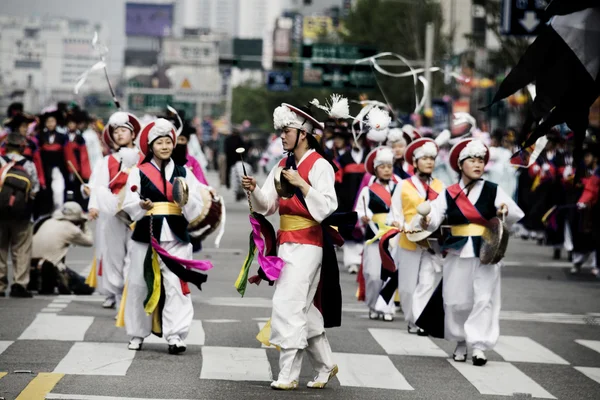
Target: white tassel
(339,107)
(377,135)
(379,119)
(129,157)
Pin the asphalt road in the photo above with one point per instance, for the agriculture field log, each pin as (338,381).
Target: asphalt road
(67,347)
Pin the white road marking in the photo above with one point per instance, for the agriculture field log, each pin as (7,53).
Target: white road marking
(400,342)
(96,359)
(235,364)
(592,344)
(195,336)
(4,344)
(524,349)
(221,321)
(500,378)
(369,371)
(57,327)
(57,305)
(60,396)
(49,310)
(264,319)
(63,300)
(590,372)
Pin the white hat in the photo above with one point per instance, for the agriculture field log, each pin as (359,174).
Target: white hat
(384,156)
(70,211)
(395,135)
(287,115)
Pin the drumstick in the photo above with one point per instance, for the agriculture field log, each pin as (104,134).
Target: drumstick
(240,151)
(75,172)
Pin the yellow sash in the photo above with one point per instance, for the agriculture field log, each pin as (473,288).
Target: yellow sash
(467,230)
(295,222)
(379,219)
(165,208)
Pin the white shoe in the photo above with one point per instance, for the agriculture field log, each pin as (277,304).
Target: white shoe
(373,314)
(320,382)
(135,343)
(353,269)
(109,302)
(412,328)
(176,345)
(284,386)
(460,352)
(388,317)
(479,358)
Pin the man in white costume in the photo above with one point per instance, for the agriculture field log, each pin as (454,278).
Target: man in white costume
(471,289)
(297,326)
(419,268)
(110,177)
(151,202)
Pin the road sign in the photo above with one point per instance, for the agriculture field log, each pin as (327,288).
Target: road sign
(279,81)
(330,65)
(522,17)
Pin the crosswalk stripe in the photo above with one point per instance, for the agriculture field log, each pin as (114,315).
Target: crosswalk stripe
(500,378)
(235,364)
(195,336)
(591,344)
(524,349)
(96,359)
(57,305)
(40,386)
(57,327)
(61,396)
(5,344)
(49,310)
(369,371)
(400,342)
(221,321)
(590,372)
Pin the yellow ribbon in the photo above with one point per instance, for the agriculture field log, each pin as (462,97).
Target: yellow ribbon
(265,334)
(295,223)
(121,315)
(92,278)
(155,297)
(467,230)
(165,208)
(380,219)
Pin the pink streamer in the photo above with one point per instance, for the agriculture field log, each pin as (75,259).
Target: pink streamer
(201,265)
(271,265)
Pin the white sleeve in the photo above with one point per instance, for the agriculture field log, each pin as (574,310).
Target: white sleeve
(265,199)
(514,212)
(131,204)
(396,213)
(194,206)
(321,199)
(99,178)
(438,211)
(362,205)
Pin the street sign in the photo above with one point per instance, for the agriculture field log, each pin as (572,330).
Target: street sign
(279,81)
(522,17)
(330,65)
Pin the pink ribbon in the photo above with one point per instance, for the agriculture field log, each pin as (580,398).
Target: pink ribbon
(201,265)
(271,265)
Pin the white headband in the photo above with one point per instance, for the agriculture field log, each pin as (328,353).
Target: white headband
(284,117)
(429,149)
(383,156)
(161,127)
(473,149)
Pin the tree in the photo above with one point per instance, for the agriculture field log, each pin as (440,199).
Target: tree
(398,26)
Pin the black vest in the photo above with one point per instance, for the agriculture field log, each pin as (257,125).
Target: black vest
(177,223)
(377,206)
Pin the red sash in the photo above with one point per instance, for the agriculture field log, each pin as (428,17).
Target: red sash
(432,194)
(116,180)
(381,192)
(52,147)
(354,169)
(154,175)
(465,206)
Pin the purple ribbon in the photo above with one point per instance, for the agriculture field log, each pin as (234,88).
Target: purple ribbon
(271,265)
(201,265)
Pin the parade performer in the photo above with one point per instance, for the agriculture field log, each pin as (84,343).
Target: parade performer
(52,143)
(419,268)
(77,159)
(471,290)
(397,140)
(108,192)
(372,209)
(307,294)
(156,298)
(182,156)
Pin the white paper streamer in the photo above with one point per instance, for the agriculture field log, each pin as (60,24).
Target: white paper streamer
(174,111)
(83,77)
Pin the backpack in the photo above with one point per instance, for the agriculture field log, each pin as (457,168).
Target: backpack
(15,186)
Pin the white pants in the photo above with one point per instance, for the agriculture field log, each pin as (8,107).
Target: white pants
(58,188)
(408,276)
(471,301)
(373,282)
(296,324)
(430,274)
(99,244)
(178,310)
(115,259)
(352,253)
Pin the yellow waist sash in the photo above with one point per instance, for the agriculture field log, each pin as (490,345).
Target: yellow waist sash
(467,230)
(165,208)
(380,220)
(295,222)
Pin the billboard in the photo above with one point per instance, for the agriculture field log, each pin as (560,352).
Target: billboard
(154,20)
(315,26)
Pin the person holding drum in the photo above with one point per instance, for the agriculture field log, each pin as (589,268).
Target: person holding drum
(297,325)
(419,269)
(106,198)
(471,289)
(162,198)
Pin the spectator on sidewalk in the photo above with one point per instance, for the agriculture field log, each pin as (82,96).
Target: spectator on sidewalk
(67,227)
(18,186)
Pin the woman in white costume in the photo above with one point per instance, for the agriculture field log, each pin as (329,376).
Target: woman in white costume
(297,326)
(167,311)
(471,289)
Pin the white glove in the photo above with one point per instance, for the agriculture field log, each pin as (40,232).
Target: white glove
(568,171)
(581,206)
(546,167)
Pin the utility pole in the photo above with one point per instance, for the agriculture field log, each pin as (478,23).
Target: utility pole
(429,35)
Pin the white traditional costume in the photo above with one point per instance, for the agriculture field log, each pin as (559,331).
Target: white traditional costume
(471,290)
